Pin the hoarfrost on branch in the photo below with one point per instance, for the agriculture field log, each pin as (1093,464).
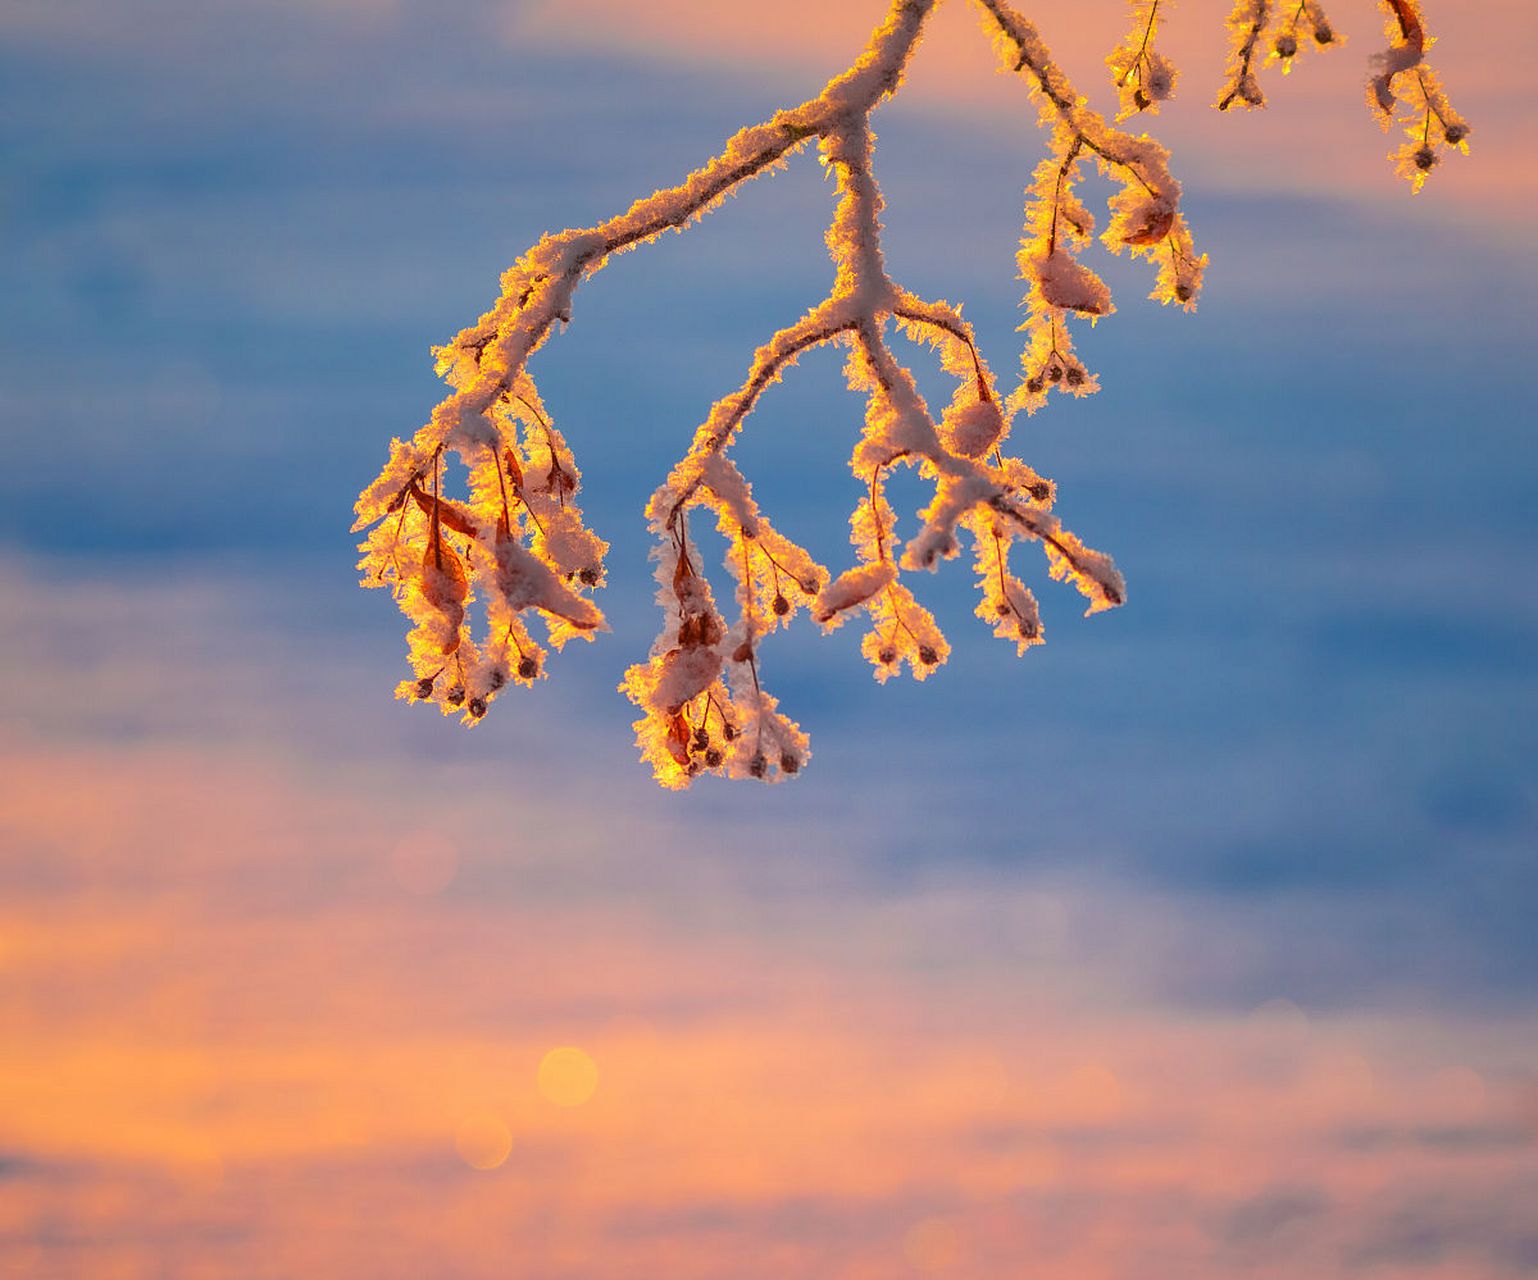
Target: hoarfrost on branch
(515,542)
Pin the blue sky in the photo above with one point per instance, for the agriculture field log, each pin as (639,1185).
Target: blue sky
(1298,765)
(217,313)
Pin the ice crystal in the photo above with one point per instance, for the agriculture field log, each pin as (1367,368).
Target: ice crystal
(513,549)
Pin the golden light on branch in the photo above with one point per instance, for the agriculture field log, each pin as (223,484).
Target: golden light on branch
(514,548)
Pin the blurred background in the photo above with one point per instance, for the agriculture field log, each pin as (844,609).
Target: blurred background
(1198,943)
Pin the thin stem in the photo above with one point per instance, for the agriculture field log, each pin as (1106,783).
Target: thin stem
(1137,62)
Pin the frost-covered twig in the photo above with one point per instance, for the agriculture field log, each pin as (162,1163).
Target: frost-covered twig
(1404,89)
(1143,76)
(516,542)
(1401,87)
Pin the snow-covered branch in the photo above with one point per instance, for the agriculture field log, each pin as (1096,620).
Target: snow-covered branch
(516,543)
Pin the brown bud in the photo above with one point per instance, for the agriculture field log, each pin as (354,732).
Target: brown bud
(455,696)
(498,678)
(588,577)
(789,763)
(701,739)
(1287,46)
(927,655)
(743,652)
(1323,34)
(477,707)
(781,606)
(1075,376)
(1183,292)
(1041,491)
(1027,631)
(729,732)
(1055,373)
(1456,133)
(1140,100)
(887,656)
(758,766)
(424,687)
(1033,385)
(713,758)
(528,668)
(1425,158)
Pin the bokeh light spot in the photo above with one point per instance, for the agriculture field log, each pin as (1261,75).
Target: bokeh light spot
(568,1077)
(1281,1020)
(932,1246)
(484,1142)
(424,863)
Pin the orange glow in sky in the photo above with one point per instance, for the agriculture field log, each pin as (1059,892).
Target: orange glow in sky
(293,988)
(261,1018)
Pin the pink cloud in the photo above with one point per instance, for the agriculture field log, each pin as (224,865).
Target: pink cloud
(257,990)
(237,1040)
